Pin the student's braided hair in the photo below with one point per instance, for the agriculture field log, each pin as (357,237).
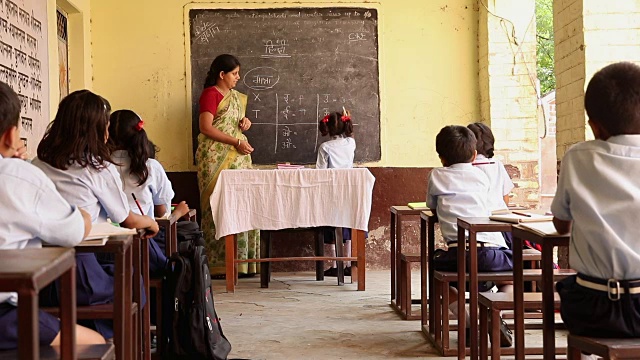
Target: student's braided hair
(484,137)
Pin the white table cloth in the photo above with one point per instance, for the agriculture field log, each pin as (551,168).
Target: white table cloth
(245,200)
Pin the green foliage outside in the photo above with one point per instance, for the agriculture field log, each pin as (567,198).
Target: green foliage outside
(544,49)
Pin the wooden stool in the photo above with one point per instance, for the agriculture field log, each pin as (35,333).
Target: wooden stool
(442,279)
(405,286)
(490,305)
(607,348)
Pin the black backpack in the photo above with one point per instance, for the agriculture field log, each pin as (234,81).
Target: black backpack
(192,326)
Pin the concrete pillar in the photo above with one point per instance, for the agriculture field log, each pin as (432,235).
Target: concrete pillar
(508,101)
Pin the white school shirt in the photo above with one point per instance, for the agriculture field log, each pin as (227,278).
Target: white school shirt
(336,153)
(500,183)
(460,190)
(156,190)
(599,189)
(31,210)
(98,192)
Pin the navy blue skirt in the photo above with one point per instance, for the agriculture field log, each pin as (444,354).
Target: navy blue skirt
(489,259)
(48,329)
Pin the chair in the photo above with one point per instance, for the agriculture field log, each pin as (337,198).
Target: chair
(613,349)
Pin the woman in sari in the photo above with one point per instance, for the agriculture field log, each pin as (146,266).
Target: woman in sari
(222,145)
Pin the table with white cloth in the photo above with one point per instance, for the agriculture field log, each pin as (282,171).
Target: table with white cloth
(244,200)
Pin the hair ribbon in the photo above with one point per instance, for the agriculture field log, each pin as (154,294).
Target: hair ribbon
(140,125)
(325,119)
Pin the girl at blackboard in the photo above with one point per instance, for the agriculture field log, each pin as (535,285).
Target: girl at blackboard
(74,154)
(337,153)
(222,145)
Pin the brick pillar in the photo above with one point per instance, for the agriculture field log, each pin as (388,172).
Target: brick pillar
(507,78)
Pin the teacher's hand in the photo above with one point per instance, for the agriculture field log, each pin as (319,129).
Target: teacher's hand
(244,124)
(244,148)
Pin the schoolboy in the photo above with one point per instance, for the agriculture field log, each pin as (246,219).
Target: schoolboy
(32,210)
(461,190)
(597,199)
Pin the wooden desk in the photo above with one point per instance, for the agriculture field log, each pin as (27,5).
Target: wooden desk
(395,228)
(548,242)
(244,200)
(123,326)
(473,225)
(26,271)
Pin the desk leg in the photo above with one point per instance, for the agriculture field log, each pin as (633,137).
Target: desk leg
(431,248)
(68,313)
(518,296)
(340,253)
(358,235)
(130,281)
(29,346)
(265,252)
(146,315)
(120,318)
(548,322)
(230,261)
(392,235)
(473,293)
(423,273)
(319,251)
(461,289)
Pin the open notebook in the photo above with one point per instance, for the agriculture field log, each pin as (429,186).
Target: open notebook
(100,233)
(518,219)
(544,228)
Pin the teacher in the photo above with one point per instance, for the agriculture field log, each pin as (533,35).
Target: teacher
(222,145)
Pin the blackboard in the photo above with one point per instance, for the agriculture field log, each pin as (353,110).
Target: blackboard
(297,64)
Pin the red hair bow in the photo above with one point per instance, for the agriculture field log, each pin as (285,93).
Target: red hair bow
(345,118)
(325,119)
(140,125)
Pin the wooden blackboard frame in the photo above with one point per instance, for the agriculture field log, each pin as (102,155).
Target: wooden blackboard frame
(367,120)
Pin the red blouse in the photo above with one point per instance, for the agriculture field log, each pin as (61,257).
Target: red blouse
(210,99)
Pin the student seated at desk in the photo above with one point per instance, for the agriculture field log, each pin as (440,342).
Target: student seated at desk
(75,155)
(141,175)
(32,210)
(598,191)
(461,190)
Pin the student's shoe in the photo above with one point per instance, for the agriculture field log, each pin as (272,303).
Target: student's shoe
(347,271)
(506,336)
(333,271)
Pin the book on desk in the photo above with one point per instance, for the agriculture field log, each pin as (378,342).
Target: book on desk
(418,205)
(100,233)
(543,228)
(519,218)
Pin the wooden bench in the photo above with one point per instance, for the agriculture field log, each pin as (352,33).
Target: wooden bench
(612,349)
(442,279)
(490,305)
(84,352)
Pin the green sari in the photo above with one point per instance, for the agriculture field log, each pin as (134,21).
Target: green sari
(212,157)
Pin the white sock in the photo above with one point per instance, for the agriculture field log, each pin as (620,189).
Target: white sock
(347,252)
(588,357)
(454,309)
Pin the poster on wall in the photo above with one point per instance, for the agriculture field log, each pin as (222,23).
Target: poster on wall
(24,64)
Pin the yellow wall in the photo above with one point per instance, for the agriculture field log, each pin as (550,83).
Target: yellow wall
(428,69)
